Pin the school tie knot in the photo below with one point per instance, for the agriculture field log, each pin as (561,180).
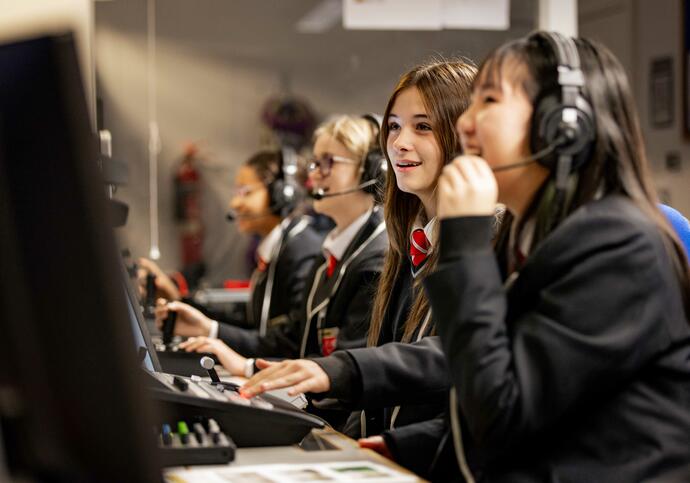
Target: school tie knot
(332,262)
(261,264)
(419,247)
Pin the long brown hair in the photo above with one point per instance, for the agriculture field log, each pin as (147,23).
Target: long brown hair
(445,88)
(618,163)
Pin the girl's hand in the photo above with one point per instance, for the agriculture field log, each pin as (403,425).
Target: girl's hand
(190,322)
(165,287)
(229,359)
(301,375)
(467,187)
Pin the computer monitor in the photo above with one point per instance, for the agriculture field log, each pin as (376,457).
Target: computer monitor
(72,401)
(142,339)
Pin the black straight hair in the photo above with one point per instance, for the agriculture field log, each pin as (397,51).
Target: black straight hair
(618,163)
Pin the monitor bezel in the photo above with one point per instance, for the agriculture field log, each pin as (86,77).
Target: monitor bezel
(141,322)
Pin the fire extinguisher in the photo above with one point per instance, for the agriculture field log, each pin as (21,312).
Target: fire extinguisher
(188,206)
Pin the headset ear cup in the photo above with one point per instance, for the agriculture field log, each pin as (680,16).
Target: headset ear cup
(547,128)
(283,198)
(275,194)
(285,191)
(373,169)
(581,149)
(374,162)
(545,110)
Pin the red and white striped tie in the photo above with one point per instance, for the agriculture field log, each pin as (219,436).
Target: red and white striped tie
(419,247)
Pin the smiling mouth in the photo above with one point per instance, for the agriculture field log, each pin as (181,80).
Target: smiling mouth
(408,164)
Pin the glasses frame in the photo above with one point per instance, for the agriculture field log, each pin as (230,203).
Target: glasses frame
(325,164)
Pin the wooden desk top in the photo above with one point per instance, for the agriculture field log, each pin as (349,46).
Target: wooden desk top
(346,450)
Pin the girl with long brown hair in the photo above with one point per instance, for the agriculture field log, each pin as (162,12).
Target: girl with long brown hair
(419,138)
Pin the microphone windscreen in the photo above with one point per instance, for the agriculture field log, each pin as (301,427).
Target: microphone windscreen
(317,195)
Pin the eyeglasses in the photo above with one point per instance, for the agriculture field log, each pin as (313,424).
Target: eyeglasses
(246,190)
(325,163)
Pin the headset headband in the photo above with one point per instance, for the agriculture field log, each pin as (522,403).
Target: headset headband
(570,77)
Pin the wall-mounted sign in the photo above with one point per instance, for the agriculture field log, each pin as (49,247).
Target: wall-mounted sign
(661,92)
(426,14)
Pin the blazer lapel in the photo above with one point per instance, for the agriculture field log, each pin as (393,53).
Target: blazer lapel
(367,229)
(258,287)
(324,285)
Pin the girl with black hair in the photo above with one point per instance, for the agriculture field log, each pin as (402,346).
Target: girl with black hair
(288,246)
(568,348)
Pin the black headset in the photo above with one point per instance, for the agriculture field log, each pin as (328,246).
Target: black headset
(374,164)
(284,190)
(563,121)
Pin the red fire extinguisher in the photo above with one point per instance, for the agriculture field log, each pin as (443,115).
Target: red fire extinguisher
(188,206)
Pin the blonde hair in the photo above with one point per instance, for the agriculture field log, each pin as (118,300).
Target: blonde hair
(357,134)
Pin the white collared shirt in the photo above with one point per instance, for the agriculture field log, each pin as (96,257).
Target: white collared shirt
(336,242)
(428,229)
(265,251)
(270,242)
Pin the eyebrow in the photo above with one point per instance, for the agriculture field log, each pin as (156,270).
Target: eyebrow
(416,116)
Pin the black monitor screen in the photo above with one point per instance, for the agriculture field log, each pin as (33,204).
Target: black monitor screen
(72,400)
(142,339)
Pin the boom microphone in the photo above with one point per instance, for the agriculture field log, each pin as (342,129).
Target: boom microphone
(529,159)
(232,215)
(524,162)
(562,140)
(320,194)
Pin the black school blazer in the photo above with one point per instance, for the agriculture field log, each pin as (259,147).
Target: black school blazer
(346,313)
(580,369)
(299,248)
(341,304)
